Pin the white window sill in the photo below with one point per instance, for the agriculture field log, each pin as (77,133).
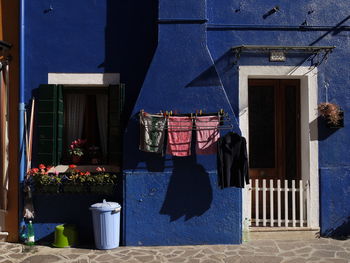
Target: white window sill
(85,168)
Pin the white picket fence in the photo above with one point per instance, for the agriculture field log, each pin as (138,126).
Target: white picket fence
(290,202)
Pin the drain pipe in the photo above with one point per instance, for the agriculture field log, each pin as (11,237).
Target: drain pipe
(21,110)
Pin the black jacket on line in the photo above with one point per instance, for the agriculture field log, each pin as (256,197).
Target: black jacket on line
(232,161)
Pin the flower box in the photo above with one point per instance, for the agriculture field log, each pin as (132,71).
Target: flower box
(72,181)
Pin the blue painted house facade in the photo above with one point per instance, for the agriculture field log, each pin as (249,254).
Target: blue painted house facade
(187,56)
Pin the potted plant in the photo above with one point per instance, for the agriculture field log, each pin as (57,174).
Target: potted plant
(76,150)
(332,113)
(43,181)
(102,182)
(75,180)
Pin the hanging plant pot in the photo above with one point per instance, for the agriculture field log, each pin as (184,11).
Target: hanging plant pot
(338,124)
(332,113)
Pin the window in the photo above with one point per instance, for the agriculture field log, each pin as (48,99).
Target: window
(66,113)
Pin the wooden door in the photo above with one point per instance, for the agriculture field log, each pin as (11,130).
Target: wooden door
(274,130)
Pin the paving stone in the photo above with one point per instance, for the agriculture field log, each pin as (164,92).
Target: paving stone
(179,259)
(92,256)
(336,260)
(267,249)
(232,259)
(42,258)
(329,247)
(72,256)
(199,255)
(17,256)
(232,248)
(262,259)
(295,260)
(303,250)
(313,259)
(245,253)
(105,257)
(286,254)
(345,255)
(144,258)
(210,261)
(82,260)
(190,253)
(290,246)
(217,256)
(261,243)
(323,253)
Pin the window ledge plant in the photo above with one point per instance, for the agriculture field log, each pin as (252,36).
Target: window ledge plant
(44,181)
(72,181)
(76,150)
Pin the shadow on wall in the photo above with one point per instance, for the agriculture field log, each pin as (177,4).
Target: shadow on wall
(189,191)
(338,28)
(131,39)
(341,232)
(206,79)
(319,130)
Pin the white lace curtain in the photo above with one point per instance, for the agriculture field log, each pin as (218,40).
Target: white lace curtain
(102,117)
(75,108)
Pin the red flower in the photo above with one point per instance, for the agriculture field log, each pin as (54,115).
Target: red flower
(87,173)
(100,169)
(34,170)
(72,166)
(41,166)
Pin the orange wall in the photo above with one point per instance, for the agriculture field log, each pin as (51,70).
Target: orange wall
(9,32)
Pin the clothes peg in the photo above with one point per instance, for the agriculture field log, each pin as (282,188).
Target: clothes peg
(171,112)
(221,111)
(200,112)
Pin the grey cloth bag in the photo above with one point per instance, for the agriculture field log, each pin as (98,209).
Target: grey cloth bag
(152,132)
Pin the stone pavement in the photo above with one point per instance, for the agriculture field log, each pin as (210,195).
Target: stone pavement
(316,250)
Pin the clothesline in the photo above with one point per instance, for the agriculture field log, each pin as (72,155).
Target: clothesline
(223,117)
(198,113)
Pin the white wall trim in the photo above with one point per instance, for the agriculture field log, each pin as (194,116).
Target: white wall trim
(104,79)
(309,145)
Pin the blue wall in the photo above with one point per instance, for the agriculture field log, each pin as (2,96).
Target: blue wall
(85,36)
(251,28)
(186,205)
(88,36)
(192,69)
(169,200)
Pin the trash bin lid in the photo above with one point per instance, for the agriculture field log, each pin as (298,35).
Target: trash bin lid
(105,206)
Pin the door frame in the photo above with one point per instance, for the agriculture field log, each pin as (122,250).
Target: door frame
(308,126)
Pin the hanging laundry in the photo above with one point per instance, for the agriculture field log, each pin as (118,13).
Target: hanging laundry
(152,132)
(232,161)
(179,136)
(207,134)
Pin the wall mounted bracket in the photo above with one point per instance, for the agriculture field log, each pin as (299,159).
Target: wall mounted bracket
(313,50)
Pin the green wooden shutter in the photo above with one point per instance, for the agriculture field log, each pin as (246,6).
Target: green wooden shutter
(116,95)
(49,124)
